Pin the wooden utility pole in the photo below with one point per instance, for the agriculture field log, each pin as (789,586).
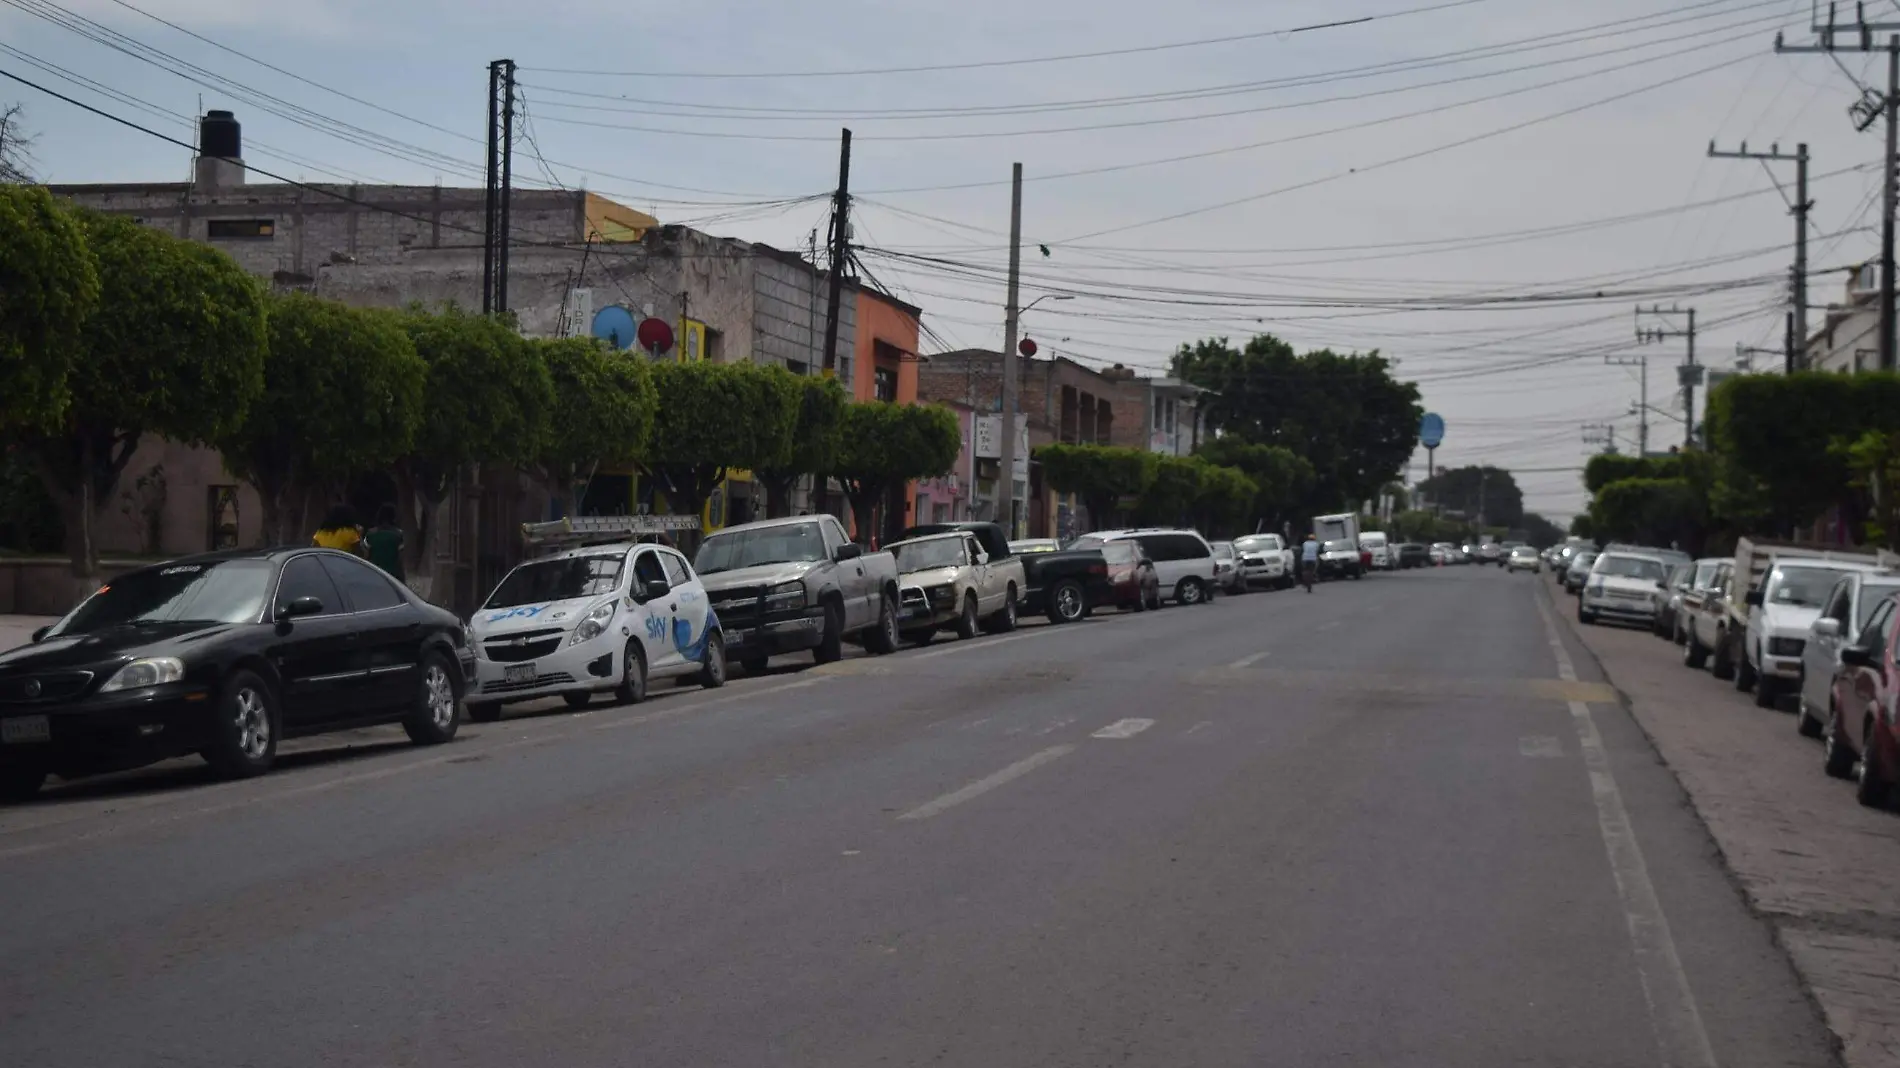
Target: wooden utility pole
(840,252)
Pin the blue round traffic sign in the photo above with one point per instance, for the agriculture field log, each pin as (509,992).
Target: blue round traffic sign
(1431,430)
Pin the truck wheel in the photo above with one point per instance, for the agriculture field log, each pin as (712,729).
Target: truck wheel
(830,648)
(1766,690)
(1066,602)
(1004,620)
(1721,659)
(882,639)
(1693,655)
(966,619)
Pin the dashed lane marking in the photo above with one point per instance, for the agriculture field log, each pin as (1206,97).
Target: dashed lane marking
(987,783)
(1248,661)
(1124,728)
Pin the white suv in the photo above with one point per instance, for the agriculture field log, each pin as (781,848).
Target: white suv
(1183,560)
(587,620)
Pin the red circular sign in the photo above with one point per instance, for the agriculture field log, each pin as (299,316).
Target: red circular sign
(654,335)
(1027,347)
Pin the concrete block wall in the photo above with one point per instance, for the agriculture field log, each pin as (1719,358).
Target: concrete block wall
(790,302)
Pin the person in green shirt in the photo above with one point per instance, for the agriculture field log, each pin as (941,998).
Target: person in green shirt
(383,543)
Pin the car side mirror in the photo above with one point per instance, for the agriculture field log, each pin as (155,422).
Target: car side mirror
(1857,656)
(40,633)
(654,589)
(1827,628)
(982,557)
(850,550)
(301,606)
(1753,598)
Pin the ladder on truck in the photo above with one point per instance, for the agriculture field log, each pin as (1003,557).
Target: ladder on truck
(579,532)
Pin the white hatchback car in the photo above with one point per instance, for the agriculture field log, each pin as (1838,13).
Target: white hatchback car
(1183,560)
(594,619)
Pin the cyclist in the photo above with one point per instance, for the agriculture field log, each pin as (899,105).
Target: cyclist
(1309,562)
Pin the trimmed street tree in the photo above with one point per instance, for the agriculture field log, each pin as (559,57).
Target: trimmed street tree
(1477,490)
(51,287)
(1283,477)
(487,398)
(1226,502)
(176,348)
(604,405)
(888,445)
(815,442)
(342,394)
(1101,475)
(1171,496)
(714,418)
(1649,511)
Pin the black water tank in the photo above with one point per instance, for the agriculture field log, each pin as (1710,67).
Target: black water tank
(219,136)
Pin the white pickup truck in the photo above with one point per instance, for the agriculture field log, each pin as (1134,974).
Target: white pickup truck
(1777,592)
(1265,560)
(951,580)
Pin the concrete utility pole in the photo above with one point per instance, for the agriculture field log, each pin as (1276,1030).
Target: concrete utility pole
(1006,477)
(840,252)
(1871,108)
(1603,434)
(1689,375)
(1799,208)
(1642,425)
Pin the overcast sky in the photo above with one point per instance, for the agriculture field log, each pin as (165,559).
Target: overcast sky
(1451,183)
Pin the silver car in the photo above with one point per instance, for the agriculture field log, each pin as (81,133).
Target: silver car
(1847,608)
(1578,570)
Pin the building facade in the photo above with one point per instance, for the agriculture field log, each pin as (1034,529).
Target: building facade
(1848,340)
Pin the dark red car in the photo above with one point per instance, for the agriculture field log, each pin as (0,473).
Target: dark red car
(1132,575)
(1860,736)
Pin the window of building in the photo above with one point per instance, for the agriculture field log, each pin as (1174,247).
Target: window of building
(239,228)
(715,345)
(884,382)
(798,367)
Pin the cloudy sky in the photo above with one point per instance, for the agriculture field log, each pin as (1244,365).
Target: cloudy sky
(1483,190)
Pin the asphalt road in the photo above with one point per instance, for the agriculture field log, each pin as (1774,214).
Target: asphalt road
(1370,826)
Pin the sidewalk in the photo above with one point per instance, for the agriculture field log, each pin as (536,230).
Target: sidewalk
(18,630)
(1822,869)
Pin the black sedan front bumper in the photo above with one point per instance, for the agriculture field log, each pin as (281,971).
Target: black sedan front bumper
(119,730)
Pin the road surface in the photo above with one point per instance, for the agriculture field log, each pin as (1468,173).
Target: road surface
(1373,825)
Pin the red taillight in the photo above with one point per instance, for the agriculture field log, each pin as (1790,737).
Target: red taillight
(1098,569)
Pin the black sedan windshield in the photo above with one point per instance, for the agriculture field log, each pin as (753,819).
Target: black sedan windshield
(216,591)
(558,580)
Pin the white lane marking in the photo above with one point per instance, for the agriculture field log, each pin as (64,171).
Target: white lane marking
(987,783)
(1197,728)
(1540,745)
(974,724)
(1249,661)
(1056,726)
(1673,1013)
(1124,728)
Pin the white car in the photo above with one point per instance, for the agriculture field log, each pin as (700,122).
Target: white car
(1522,558)
(1621,586)
(1782,612)
(591,620)
(1851,604)
(1374,543)
(1184,562)
(1265,560)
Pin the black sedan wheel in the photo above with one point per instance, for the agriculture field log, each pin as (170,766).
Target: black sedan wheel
(438,708)
(245,728)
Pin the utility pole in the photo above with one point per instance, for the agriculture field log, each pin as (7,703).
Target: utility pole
(840,251)
(1007,475)
(1642,425)
(1870,108)
(1689,375)
(1798,277)
(1603,434)
(500,189)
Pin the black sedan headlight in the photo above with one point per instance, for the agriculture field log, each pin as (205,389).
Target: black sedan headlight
(1786,646)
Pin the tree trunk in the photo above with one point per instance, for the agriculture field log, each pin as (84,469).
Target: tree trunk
(778,493)
(863,512)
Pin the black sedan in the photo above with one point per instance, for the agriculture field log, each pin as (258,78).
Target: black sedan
(224,655)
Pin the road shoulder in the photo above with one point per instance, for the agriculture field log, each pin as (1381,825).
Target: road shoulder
(1821,869)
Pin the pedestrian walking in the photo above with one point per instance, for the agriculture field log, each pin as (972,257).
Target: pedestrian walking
(1309,562)
(341,529)
(383,543)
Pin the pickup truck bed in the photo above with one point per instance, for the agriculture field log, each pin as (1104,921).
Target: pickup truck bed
(1043,573)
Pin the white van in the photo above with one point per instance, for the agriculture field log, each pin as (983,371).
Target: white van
(593,619)
(1373,543)
(1183,560)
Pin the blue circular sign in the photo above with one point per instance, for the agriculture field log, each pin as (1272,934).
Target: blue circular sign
(1431,430)
(614,325)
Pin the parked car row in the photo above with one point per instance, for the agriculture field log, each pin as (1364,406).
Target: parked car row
(1778,621)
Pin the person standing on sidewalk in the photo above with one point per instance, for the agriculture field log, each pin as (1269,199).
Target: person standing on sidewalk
(340,530)
(383,543)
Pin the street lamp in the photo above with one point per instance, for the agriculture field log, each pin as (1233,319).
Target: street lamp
(1047,296)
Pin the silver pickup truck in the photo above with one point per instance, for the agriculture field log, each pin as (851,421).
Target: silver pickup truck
(786,585)
(951,580)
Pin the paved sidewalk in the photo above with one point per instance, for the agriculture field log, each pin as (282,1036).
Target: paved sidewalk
(18,630)
(1824,870)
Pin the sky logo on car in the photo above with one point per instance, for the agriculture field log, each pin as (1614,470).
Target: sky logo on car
(524,612)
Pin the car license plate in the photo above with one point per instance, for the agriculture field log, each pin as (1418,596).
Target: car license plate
(737,637)
(21,730)
(518,672)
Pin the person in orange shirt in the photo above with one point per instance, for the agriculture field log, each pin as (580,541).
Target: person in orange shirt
(341,529)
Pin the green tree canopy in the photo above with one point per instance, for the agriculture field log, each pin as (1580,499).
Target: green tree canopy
(1101,475)
(1781,436)
(175,348)
(816,439)
(887,445)
(1345,414)
(49,289)
(488,398)
(1649,511)
(342,394)
(1283,478)
(1541,532)
(1226,502)
(718,417)
(1607,467)
(1176,488)
(604,410)
(1475,490)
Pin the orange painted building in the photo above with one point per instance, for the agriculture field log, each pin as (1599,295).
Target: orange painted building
(885,367)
